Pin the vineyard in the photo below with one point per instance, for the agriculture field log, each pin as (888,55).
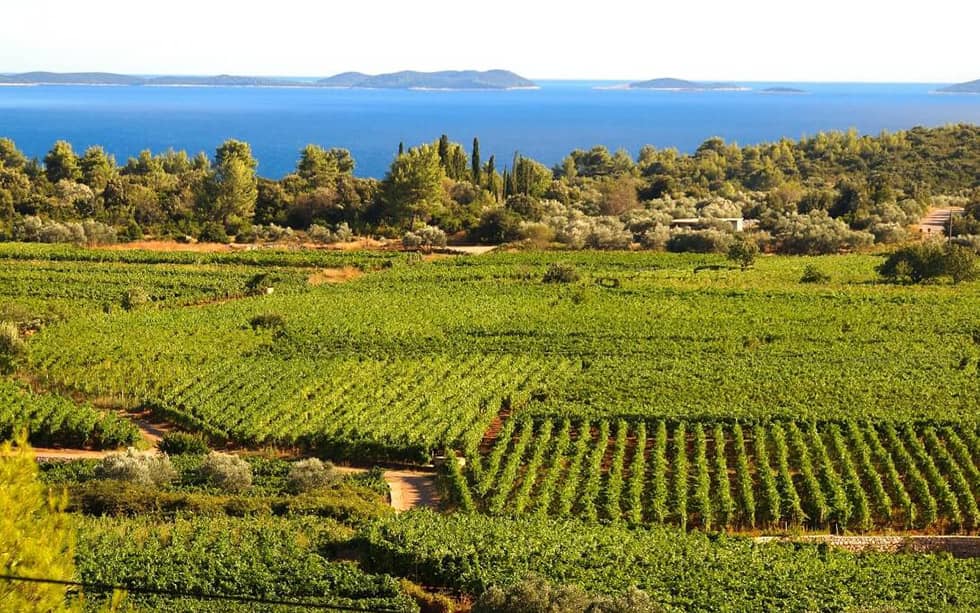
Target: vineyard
(52,420)
(682,571)
(782,475)
(252,557)
(411,358)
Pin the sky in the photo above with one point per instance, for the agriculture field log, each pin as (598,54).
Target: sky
(735,40)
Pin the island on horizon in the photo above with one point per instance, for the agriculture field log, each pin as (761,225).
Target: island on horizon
(680,85)
(783,90)
(442,80)
(446,79)
(970,87)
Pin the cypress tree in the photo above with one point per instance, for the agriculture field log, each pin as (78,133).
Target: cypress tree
(444,152)
(475,161)
(401,149)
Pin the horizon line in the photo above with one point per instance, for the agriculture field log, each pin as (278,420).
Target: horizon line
(535,78)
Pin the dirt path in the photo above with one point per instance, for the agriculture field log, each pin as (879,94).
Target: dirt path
(936,221)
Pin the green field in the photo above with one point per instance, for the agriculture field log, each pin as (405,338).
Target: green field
(412,341)
(630,428)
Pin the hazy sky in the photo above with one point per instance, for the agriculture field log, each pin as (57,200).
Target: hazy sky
(802,40)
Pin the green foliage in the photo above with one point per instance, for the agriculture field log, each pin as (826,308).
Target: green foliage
(413,187)
(743,251)
(12,346)
(929,260)
(54,420)
(36,537)
(812,274)
(561,272)
(183,443)
(268,321)
(258,557)
(812,476)
(342,502)
(474,552)
(134,298)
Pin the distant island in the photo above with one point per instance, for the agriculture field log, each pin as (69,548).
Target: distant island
(681,85)
(447,79)
(783,90)
(461,79)
(970,87)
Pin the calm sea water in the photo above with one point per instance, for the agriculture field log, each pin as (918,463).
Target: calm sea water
(545,124)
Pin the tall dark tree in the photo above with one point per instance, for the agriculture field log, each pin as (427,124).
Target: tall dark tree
(444,151)
(475,162)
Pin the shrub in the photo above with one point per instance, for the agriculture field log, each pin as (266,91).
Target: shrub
(134,298)
(930,260)
(320,234)
(655,237)
(699,241)
(533,595)
(213,232)
(425,237)
(560,272)
(267,321)
(743,252)
(497,226)
(142,468)
(812,274)
(259,284)
(960,263)
(183,443)
(12,346)
(228,473)
(536,595)
(309,475)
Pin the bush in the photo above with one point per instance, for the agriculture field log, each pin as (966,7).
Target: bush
(559,272)
(228,473)
(743,252)
(699,241)
(924,261)
(536,595)
(533,595)
(425,237)
(267,321)
(142,468)
(497,226)
(183,443)
(12,346)
(213,232)
(812,274)
(259,284)
(134,298)
(309,475)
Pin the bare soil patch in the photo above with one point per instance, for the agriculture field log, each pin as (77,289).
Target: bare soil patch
(334,275)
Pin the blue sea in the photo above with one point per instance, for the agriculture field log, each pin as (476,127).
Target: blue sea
(545,123)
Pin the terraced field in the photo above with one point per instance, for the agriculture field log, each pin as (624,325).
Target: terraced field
(617,389)
(784,474)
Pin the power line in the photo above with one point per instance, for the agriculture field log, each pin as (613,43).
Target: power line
(106,587)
